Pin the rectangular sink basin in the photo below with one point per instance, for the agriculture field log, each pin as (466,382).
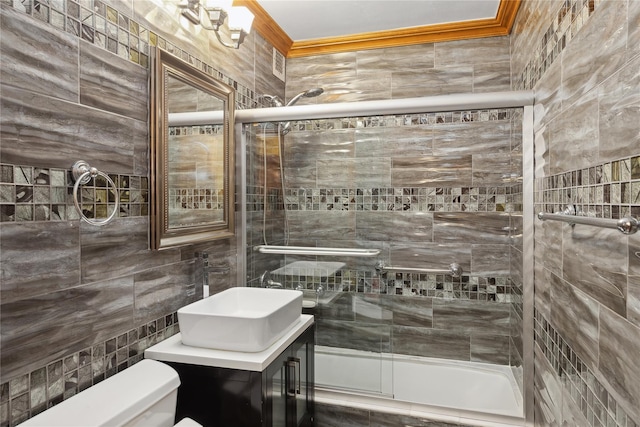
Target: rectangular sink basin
(240,319)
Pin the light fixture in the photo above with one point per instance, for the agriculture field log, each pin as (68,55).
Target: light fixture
(211,14)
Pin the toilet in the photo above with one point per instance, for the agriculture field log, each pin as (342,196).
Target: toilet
(143,395)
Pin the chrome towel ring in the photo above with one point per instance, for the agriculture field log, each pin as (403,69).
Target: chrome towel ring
(83,173)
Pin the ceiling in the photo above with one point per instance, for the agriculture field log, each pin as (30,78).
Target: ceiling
(311,27)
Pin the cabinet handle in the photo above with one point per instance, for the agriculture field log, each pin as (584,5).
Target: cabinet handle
(291,377)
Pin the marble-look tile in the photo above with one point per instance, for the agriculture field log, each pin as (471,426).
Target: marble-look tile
(431,255)
(596,52)
(340,416)
(112,84)
(406,141)
(575,316)
(633,289)
(339,225)
(595,261)
(401,58)
(490,349)
(460,139)
(492,77)
(571,412)
(490,260)
(309,146)
(42,131)
(542,293)
(428,342)
(22,38)
(471,227)
(118,249)
(619,108)
(633,27)
(431,82)
(619,345)
(46,327)
(346,173)
(394,226)
(490,168)
(471,316)
(340,307)
(548,244)
(548,96)
(354,335)
(472,51)
(548,392)
(38,258)
(372,308)
(409,310)
(162,290)
(574,136)
(542,154)
(431,171)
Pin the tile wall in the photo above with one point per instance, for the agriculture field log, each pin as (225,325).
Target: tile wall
(582,58)
(80,302)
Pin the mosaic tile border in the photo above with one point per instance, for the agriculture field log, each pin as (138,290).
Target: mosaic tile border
(413,199)
(29,394)
(442,286)
(29,193)
(571,17)
(598,406)
(104,26)
(197,198)
(419,119)
(610,190)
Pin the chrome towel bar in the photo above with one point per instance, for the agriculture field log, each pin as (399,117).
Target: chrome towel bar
(454,269)
(318,251)
(627,225)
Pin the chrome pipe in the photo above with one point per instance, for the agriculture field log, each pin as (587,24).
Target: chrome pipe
(312,250)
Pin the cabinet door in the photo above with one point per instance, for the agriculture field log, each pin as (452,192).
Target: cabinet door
(301,381)
(276,392)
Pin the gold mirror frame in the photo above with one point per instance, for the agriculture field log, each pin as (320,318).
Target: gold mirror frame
(163,235)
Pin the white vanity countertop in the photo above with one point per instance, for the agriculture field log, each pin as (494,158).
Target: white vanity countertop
(172,350)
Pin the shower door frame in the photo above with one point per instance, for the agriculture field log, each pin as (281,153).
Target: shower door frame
(441,103)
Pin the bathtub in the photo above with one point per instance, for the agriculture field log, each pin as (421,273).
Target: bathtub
(443,390)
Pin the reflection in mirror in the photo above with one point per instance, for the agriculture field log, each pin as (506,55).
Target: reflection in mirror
(192,167)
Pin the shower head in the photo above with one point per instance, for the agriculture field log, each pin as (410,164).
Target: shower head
(311,93)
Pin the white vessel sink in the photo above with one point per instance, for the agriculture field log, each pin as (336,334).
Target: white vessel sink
(240,319)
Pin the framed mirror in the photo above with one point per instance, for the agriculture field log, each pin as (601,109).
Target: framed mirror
(192,149)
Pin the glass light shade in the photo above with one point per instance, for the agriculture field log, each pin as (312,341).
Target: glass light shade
(240,18)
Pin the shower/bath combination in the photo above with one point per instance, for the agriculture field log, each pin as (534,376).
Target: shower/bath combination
(283,129)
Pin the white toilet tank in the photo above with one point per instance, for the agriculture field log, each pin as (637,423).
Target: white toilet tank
(143,395)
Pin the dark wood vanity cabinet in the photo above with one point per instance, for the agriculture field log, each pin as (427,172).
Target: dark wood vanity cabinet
(280,396)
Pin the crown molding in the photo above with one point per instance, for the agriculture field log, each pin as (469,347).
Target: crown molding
(499,26)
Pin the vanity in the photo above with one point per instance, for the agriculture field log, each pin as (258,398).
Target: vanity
(266,387)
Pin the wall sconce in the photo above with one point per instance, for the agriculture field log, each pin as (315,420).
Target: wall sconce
(211,15)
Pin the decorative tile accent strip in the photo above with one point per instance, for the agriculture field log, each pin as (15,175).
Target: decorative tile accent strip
(597,405)
(49,385)
(423,199)
(39,194)
(609,190)
(195,130)
(196,198)
(405,120)
(571,17)
(105,27)
(496,289)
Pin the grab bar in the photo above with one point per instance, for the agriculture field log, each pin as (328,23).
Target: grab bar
(627,225)
(312,250)
(454,269)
